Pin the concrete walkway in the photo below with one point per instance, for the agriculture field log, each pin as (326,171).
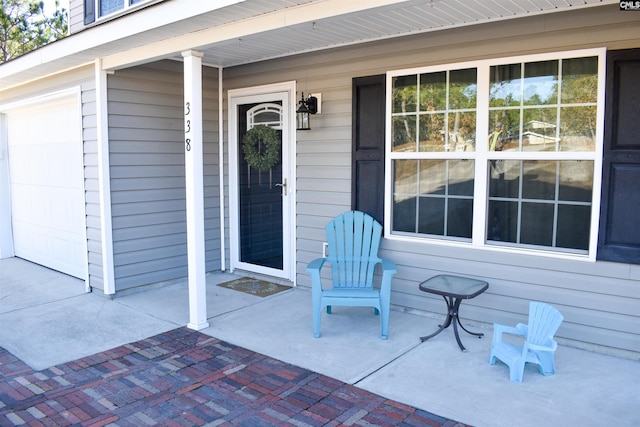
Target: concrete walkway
(47,319)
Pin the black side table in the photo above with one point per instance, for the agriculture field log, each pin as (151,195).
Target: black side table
(453,289)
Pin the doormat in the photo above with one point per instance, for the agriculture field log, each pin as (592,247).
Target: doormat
(252,286)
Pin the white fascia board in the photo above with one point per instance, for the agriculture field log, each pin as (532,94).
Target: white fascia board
(306,12)
(111,31)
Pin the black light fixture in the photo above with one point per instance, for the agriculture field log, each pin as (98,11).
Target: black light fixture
(307,106)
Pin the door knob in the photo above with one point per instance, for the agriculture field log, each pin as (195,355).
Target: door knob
(284,187)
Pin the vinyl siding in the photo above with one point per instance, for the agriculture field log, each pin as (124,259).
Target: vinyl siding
(92,185)
(147,160)
(599,300)
(211,169)
(76,16)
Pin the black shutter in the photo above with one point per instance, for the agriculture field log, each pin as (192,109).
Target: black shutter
(619,237)
(89,11)
(367,155)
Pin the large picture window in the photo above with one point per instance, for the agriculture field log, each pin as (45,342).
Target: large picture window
(503,153)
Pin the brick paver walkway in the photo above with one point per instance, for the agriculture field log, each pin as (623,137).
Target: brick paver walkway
(185,378)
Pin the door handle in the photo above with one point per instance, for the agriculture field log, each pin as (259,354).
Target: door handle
(284,187)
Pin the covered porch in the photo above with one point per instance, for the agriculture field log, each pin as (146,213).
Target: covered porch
(137,235)
(45,328)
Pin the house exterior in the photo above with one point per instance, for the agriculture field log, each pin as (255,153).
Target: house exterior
(132,151)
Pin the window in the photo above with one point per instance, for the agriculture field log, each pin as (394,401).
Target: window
(105,7)
(110,6)
(433,113)
(498,153)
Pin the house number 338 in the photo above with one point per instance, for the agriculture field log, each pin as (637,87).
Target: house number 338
(187,126)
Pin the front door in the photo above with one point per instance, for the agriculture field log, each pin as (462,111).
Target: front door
(261,182)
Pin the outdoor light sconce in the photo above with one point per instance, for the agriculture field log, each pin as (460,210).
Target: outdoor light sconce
(307,106)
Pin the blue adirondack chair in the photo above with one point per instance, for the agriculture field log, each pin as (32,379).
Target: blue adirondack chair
(353,239)
(539,345)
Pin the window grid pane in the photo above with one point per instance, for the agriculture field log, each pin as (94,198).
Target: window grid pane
(525,205)
(110,6)
(543,106)
(433,197)
(434,112)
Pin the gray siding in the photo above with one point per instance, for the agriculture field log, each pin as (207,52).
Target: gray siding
(599,300)
(211,168)
(148,177)
(92,185)
(76,16)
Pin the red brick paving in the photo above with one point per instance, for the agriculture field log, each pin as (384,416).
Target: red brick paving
(185,378)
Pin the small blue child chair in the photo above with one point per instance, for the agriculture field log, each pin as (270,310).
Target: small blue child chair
(353,240)
(539,346)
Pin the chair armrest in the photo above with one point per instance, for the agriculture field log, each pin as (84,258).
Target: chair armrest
(316,264)
(314,268)
(389,269)
(524,329)
(499,329)
(537,347)
(388,266)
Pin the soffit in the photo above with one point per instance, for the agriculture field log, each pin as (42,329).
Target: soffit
(406,18)
(257,30)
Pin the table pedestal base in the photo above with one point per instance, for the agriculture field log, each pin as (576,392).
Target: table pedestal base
(453,306)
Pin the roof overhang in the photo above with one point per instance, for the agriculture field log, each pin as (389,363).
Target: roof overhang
(236,32)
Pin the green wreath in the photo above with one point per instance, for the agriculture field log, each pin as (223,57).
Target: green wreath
(251,147)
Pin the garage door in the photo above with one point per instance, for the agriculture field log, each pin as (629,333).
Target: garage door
(46,181)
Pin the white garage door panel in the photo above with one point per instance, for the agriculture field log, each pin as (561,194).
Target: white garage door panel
(47,194)
(48,165)
(48,247)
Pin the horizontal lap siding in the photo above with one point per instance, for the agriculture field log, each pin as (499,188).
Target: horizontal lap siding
(92,185)
(76,15)
(147,169)
(211,169)
(599,300)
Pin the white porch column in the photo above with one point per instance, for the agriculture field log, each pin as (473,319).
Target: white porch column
(6,232)
(106,224)
(194,174)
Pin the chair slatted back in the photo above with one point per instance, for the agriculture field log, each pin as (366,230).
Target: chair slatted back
(544,321)
(353,239)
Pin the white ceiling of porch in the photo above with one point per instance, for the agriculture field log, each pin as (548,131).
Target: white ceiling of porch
(256,30)
(405,18)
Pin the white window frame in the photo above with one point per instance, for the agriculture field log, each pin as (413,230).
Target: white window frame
(128,6)
(482,155)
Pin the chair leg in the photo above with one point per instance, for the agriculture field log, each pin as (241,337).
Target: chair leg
(547,365)
(317,311)
(328,309)
(516,371)
(376,311)
(384,322)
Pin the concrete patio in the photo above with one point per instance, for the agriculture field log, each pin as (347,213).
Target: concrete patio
(47,318)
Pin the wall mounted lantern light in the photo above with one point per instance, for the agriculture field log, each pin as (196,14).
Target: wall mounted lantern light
(307,107)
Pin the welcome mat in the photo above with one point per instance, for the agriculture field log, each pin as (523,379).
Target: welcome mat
(252,286)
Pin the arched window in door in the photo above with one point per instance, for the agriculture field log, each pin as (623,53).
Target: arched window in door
(265,114)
